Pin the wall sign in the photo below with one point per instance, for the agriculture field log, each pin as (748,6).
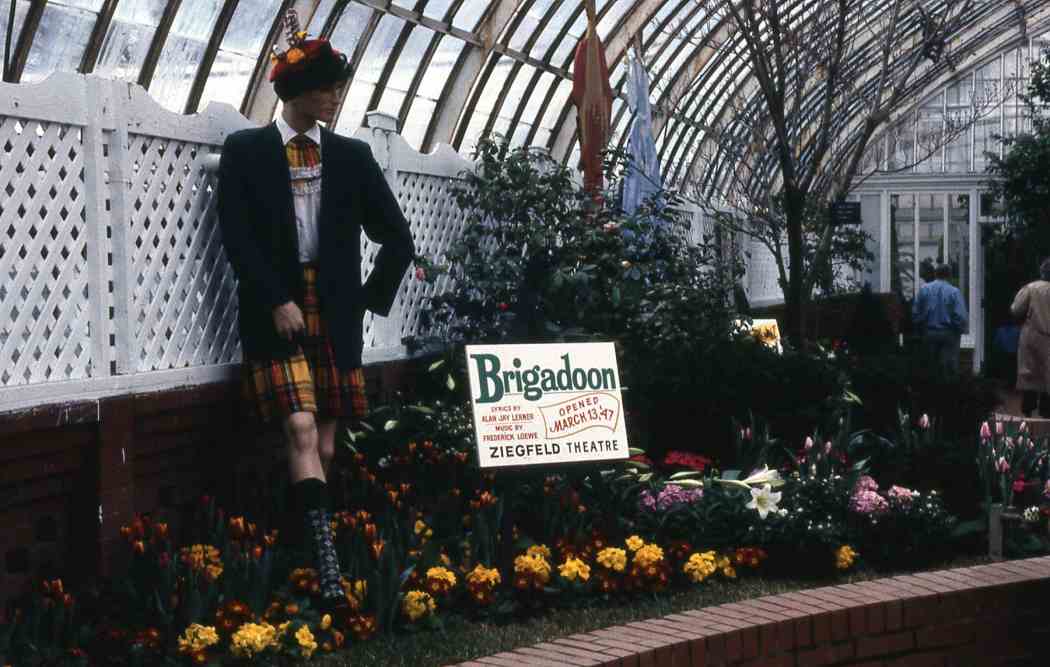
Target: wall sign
(551,403)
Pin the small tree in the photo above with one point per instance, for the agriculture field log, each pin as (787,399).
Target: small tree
(784,149)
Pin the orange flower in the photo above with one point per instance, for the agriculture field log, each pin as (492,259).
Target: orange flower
(257,552)
(294,56)
(139,547)
(362,626)
(370,532)
(377,548)
(237,527)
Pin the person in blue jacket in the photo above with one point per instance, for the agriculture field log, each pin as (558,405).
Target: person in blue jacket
(939,314)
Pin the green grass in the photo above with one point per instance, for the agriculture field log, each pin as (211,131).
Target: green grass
(463,640)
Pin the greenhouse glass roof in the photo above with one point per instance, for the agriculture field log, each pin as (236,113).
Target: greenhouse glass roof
(455,70)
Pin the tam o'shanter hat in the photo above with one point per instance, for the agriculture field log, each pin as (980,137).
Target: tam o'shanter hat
(307,64)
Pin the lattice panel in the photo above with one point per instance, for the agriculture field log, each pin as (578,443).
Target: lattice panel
(183,308)
(44,295)
(435,221)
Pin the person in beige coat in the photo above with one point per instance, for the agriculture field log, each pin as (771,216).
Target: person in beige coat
(1032,306)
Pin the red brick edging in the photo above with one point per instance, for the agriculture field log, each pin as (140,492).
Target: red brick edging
(993,614)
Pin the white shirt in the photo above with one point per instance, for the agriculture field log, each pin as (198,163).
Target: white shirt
(306,193)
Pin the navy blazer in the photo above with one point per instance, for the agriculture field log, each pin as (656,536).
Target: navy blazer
(257,220)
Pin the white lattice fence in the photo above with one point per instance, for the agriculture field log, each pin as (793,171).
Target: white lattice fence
(183,310)
(423,185)
(112,273)
(45,257)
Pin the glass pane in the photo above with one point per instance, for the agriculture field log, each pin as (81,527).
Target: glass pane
(468,15)
(228,80)
(408,62)
(368,72)
(984,131)
(440,68)
(419,115)
(249,25)
(550,31)
(871,222)
(929,151)
(931,234)
(437,9)
(526,26)
(379,47)
(612,17)
(489,99)
(958,124)
(234,63)
(60,38)
(902,245)
(959,243)
(128,38)
(350,27)
(320,17)
(183,52)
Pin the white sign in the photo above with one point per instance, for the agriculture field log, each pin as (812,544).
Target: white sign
(539,404)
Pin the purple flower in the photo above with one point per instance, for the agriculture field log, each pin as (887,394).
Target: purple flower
(866,501)
(900,495)
(865,483)
(669,496)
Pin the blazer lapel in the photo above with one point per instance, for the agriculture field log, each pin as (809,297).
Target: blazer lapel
(329,165)
(281,176)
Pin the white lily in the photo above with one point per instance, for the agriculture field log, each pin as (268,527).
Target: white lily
(764,500)
(763,476)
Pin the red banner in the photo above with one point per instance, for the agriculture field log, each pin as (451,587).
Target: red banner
(592,95)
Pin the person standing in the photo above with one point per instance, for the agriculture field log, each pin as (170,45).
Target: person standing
(1032,306)
(940,316)
(293,199)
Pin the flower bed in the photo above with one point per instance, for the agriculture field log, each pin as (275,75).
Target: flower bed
(425,536)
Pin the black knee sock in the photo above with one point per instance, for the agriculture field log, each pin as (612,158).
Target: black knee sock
(309,494)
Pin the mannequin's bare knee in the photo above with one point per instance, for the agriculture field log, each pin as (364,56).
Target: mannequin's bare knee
(301,431)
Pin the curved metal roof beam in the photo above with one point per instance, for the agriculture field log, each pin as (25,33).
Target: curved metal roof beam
(222,24)
(720,105)
(972,41)
(98,36)
(20,52)
(424,65)
(553,88)
(466,71)
(563,134)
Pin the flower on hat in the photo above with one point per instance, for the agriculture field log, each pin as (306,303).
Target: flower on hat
(294,55)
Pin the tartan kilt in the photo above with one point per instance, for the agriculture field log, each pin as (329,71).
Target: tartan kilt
(308,381)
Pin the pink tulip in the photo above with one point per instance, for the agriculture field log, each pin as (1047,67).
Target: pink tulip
(420,273)
(924,421)
(809,444)
(747,433)
(998,428)
(1002,465)
(986,431)
(1023,428)
(827,448)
